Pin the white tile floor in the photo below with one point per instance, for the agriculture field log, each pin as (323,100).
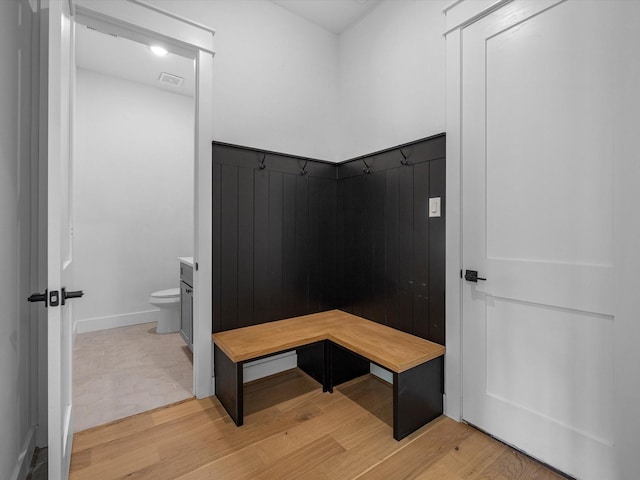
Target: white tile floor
(124,371)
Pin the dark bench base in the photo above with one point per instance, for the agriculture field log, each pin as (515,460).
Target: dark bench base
(417,397)
(417,392)
(229,385)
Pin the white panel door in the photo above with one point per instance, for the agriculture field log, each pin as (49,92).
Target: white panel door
(537,183)
(59,244)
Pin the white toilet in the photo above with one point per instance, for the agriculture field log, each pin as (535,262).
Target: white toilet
(168,301)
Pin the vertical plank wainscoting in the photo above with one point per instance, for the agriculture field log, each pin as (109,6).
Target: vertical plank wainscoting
(390,251)
(274,236)
(293,236)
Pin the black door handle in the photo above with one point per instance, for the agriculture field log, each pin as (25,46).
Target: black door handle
(38,297)
(65,294)
(472,276)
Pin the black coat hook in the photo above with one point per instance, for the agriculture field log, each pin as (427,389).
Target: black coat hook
(303,172)
(404,160)
(262,166)
(367,168)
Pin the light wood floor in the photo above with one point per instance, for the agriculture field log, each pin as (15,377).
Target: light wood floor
(292,431)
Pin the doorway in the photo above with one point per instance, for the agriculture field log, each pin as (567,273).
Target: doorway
(133,217)
(181,36)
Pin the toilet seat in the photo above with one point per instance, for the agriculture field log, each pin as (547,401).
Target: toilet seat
(169,293)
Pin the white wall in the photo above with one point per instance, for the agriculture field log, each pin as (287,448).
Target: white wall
(17,354)
(134,195)
(284,84)
(392,77)
(275,76)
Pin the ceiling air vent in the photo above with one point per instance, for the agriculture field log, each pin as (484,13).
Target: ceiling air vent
(174,80)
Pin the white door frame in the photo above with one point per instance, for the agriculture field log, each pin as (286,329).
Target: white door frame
(138,20)
(459,14)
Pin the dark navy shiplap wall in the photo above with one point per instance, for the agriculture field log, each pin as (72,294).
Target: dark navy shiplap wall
(287,244)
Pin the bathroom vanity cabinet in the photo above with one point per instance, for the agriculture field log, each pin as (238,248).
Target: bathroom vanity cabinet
(186,303)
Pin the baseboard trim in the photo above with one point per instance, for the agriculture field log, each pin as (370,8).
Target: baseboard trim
(381,373)
(116,321)
(286,361)
(270,366)
(265,367)
(26,456)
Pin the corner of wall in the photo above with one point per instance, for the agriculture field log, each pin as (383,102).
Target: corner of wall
(391,68)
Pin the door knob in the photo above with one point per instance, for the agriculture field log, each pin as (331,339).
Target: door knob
(38,297)
(66,295)
(472,276)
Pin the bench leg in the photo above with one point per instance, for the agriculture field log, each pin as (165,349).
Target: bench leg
(344,365)
(229,383)
(417,397)
(312,359)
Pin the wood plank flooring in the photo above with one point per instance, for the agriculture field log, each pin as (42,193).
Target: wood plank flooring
(292,431)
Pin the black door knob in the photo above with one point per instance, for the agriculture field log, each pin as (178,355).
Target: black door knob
(66,295)
(38,297)
(472,276)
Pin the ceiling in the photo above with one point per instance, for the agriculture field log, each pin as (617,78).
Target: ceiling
(333,15)
(120,57)
(124,58)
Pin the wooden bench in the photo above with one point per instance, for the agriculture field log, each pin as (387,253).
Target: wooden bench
(334,347)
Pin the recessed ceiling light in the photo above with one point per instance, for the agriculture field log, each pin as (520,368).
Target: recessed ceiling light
(158,50)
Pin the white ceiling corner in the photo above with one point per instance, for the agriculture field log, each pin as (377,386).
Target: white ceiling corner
(332,15)
(124,58)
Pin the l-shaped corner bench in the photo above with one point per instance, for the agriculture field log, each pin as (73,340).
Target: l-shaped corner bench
(334,347)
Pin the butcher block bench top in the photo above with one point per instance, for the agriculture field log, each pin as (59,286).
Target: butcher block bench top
(395,350)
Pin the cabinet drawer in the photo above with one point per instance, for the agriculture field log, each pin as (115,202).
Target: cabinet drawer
(186,274)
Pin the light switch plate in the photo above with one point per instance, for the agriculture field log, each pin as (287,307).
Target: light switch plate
(434,207)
